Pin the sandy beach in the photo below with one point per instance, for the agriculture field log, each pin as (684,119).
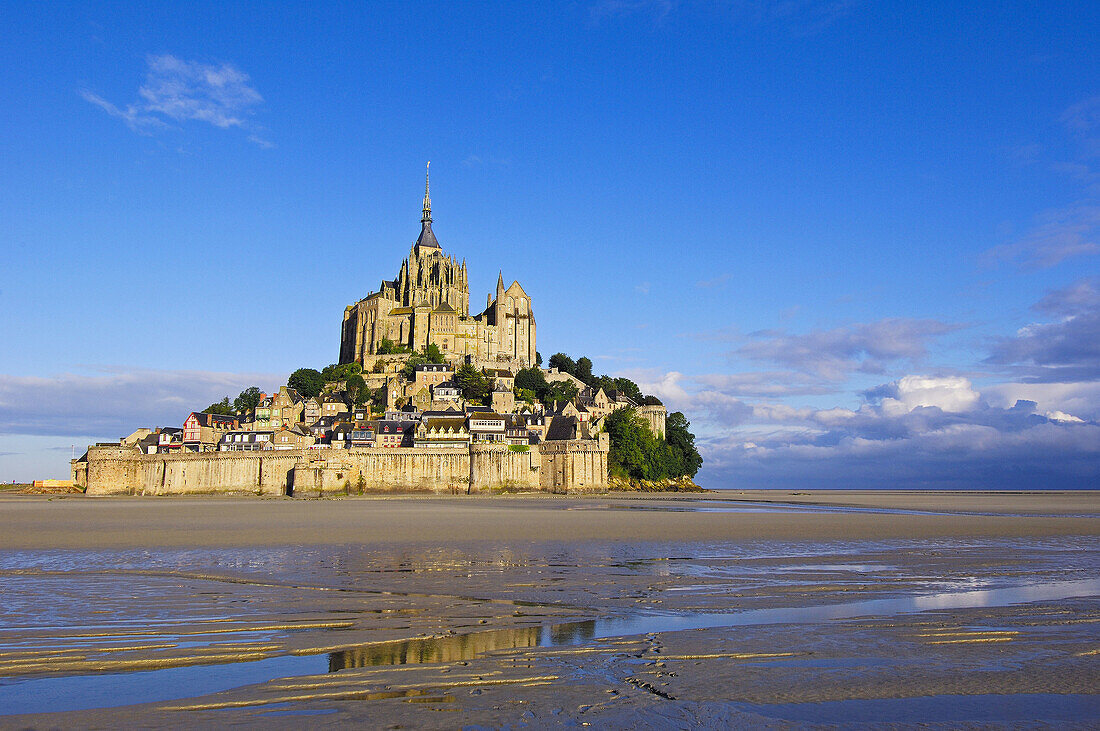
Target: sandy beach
(719,609)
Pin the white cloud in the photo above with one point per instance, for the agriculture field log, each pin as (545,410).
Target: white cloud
(937,431)
(834,354)
(952,394)
(182,91)
(1081,398)
(1064,417)
(1067,349)
(115,402)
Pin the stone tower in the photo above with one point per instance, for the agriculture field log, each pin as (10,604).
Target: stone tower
(428,276)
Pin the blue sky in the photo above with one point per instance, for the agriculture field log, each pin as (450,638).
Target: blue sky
(845,238)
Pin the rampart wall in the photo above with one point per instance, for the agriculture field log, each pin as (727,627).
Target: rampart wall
(578,465)
(496,467)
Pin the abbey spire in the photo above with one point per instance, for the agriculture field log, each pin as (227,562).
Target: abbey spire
(427,201)
(427,239)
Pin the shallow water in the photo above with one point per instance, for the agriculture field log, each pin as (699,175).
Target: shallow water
(750,506)
(945,709)
(93,601)
(40,695)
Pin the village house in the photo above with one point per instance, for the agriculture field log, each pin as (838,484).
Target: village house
(443,431)
(389,434)
(311,410)
(431,374)
(286,408)
(333,404)
(501,377)
(446,392)
(245,441)
(503,400)
(202,431)
(361,436)
(292,437)
(515,429)
(486,426)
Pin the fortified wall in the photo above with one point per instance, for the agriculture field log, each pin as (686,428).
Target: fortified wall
(572,466)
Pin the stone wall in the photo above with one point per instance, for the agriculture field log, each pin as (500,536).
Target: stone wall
(497,467)
(577,465)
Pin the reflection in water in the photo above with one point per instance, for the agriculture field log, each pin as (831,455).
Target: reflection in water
(467,647)
(643,623)
(460,647)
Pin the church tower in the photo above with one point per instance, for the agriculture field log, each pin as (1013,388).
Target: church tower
(430,277)
(428,303)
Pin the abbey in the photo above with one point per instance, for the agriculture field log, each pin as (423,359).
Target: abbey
(428,302)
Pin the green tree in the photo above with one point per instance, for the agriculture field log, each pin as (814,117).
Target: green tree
(475,385)
(627,457)
(356,388)
(531,379)
(306,381)
(583,371)
(538,358)
(379,366)
(651,401)
(247,400)
(638,454)
(607,383)
(410,365)
(559,391)
(388,347)
(563,363)
(219,407)
(378,399)
(682,442)
(629,388)
(433,354)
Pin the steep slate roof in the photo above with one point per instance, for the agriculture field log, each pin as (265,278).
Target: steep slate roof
(427,238)
(562,428)
(449,412)
(205,419)
(457,424)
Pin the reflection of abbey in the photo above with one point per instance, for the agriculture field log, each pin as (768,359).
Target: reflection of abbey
(429,302)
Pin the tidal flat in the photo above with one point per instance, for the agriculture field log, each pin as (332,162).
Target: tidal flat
(762,609)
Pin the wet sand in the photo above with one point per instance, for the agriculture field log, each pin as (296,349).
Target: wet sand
(81,522)
(613,611)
